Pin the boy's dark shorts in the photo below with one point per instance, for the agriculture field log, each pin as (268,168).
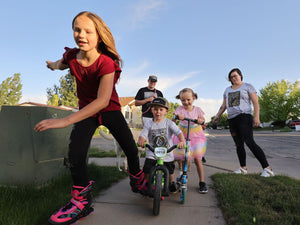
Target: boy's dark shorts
(149,163)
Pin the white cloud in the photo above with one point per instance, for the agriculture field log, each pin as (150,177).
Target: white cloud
(144,10)
(170,84)
(168,81)
(134,78)
(209,106)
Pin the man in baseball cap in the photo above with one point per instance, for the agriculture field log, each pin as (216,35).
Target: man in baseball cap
(145,96)
(153,78)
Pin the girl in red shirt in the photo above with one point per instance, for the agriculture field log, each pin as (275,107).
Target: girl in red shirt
(96,67)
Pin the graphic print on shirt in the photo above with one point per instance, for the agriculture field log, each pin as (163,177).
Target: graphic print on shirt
(234,98)
(159,137)
(148,94)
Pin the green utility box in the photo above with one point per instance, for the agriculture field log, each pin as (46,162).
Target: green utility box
(26,156)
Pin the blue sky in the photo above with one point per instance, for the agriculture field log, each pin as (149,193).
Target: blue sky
(191,43)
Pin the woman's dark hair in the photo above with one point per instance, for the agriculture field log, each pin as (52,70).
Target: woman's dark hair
(235,70)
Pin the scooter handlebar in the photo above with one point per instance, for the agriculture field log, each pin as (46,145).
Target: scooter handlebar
(187,119)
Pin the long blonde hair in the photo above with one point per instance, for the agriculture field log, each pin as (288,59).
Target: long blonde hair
(106,40)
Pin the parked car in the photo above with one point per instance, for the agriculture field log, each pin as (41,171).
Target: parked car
(292,124)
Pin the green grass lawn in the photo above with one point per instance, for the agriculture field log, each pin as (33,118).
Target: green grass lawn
(99,153)
(281,129)
(252,199)
(244,200)
(32,206)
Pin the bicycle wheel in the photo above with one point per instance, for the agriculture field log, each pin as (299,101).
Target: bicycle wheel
(182,195)
(157,193)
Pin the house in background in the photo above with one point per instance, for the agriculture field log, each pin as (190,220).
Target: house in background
(67,108)
(131,112)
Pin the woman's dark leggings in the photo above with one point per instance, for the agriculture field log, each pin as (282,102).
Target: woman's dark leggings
(81,137)
(241,129)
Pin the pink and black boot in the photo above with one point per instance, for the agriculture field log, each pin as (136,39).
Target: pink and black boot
(138,183)
(78,207)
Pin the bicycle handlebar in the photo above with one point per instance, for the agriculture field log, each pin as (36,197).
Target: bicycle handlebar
(187,119)
(152,149)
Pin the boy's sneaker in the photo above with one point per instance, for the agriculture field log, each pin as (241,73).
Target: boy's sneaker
(267,173)
(138,183)
(241,171)
(173,187)
(202,188)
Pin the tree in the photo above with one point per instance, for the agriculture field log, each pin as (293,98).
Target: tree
(172,108)
(223,121)
(279,102)
(54,100)
(65,93)
(10,90)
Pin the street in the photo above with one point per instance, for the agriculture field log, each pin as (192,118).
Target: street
(281,148)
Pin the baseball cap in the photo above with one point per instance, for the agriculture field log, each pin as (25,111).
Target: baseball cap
(153,78)
(159,101)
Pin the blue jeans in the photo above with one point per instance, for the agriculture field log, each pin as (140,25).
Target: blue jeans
(241,129)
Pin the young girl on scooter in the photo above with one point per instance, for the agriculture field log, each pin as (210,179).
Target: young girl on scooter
(197,146)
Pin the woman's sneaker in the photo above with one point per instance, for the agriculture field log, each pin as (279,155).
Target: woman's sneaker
(202,188)
(241,171)
(267,173)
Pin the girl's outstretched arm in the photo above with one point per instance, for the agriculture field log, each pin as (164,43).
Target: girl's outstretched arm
(102,101)
(57,65)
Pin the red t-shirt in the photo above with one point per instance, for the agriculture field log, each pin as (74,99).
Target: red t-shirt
(88,78)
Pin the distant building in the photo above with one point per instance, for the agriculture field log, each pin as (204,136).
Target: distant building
(131,112)
(68,108)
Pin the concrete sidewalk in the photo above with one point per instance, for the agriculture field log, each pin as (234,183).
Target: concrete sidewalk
(119,205)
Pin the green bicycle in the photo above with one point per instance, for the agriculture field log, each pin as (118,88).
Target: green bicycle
(158,184)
